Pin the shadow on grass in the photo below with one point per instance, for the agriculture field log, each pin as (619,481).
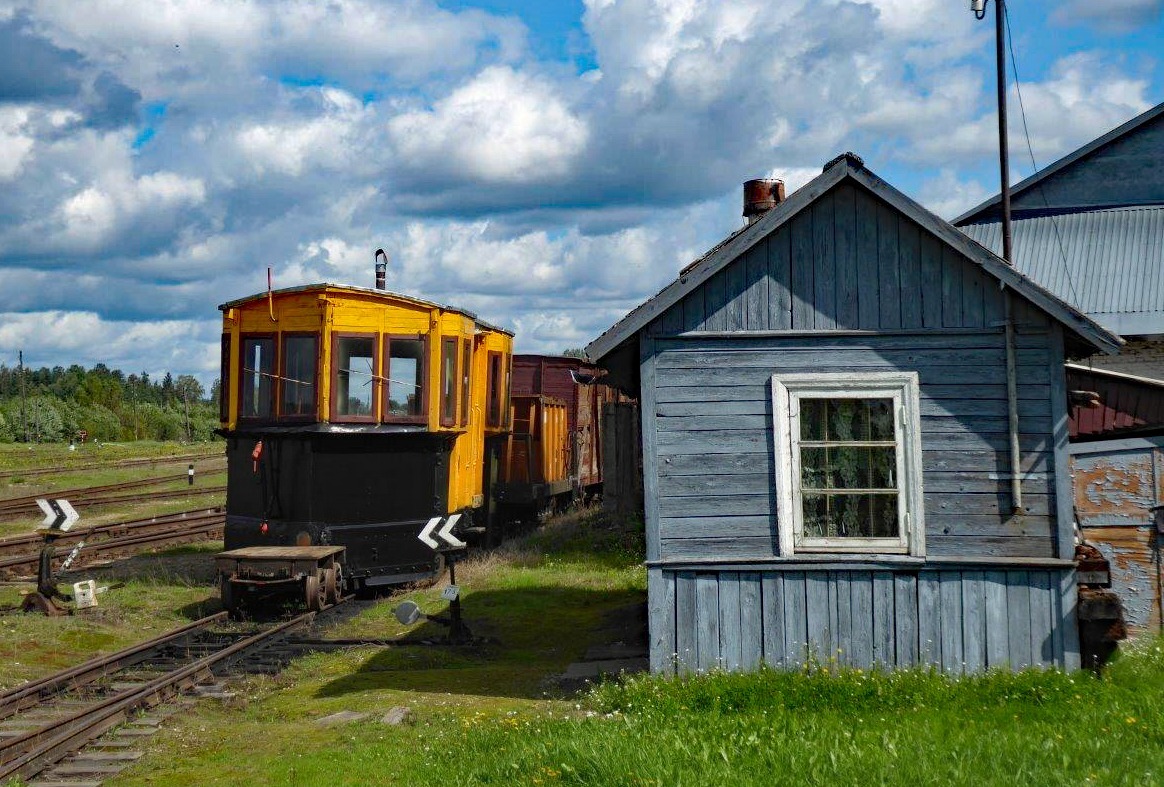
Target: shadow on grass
(522,638)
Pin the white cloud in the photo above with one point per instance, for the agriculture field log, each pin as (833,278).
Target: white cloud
(15,143)
(503,126)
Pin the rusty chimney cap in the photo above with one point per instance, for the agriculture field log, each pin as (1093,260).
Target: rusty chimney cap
(761,195)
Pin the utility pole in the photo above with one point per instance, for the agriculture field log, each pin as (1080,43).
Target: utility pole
(979,9)
(23,400)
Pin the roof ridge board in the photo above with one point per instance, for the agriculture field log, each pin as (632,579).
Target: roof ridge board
(1077,367)
(1067,160)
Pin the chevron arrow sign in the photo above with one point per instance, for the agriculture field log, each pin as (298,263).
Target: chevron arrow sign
(445,533)
(58,514)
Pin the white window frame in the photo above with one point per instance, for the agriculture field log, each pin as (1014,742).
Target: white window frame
(902,387)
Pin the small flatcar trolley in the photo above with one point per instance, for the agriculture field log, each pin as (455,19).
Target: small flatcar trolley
(353,417)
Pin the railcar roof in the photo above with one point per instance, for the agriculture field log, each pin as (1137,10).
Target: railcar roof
(366,291)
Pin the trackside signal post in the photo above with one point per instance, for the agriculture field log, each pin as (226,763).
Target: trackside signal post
(450,548)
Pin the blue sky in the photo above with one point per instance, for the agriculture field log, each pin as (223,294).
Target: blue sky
(547,164)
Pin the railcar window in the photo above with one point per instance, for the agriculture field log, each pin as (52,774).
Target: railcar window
(494,395)
(405,376)
(354,378)
(257,377)
(297,380)
(224,381)
(507,410)
(466,361)
(448,382)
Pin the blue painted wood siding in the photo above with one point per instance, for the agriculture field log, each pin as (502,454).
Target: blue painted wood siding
(713,440)
(848,261)
(954,620)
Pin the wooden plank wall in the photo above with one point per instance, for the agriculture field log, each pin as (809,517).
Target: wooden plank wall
(848,261)
(956,621)
(713,432)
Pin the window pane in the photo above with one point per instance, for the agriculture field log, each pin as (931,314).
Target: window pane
(848,467)
(405,377)
(354,373)
(298,383)
(494,395)
(258,370)
(448,381)
(224,381)
(466,357)
(846,419)
(850,515)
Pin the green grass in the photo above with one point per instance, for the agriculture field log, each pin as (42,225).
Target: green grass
(37,456)
(161,591)
(485,715)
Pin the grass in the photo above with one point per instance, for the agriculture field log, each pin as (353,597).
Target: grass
(23,456)
(160,592)
(485,715)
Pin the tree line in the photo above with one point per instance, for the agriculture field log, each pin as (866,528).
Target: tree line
(57,404)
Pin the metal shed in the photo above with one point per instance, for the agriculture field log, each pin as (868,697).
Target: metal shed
(825,443)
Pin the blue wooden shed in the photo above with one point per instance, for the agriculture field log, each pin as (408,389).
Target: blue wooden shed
(826,443)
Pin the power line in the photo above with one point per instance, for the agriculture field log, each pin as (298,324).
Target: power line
(1035,167)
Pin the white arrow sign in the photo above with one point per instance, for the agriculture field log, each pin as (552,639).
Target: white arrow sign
(58,514)
(446,532)
(426,533)
(70,513)
(50,515)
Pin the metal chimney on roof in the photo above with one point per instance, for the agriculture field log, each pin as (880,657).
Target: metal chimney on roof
(760,196)
(381,269)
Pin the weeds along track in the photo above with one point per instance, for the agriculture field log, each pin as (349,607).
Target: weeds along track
(102,495)
(19,554)
(46,721)
(34,472)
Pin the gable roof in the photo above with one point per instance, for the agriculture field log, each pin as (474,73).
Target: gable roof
(1109,261)
(1022,186)
(845,167)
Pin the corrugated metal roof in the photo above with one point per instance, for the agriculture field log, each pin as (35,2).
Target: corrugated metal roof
(1107,262)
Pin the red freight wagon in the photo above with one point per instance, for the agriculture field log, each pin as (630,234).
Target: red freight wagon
(545,463)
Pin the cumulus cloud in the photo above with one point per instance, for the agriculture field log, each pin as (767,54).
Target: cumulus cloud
(501,127)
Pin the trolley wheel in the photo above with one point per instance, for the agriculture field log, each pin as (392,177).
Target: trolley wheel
(226,592)
(313,592)
(331,585)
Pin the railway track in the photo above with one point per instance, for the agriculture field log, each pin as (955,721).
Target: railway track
(19,554)
(44,722)
(85,497)
(124,463)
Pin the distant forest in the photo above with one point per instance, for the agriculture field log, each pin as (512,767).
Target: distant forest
(105,403)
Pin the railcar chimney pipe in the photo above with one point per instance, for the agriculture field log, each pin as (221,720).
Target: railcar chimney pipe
(381,259)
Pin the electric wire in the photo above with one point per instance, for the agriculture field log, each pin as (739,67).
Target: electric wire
(1035,167)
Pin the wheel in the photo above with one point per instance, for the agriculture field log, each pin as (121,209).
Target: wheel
(313,592)
(331,585)
(226,593)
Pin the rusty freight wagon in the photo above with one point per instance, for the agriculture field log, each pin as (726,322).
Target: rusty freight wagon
(354,417)
(554,453)
(855,446)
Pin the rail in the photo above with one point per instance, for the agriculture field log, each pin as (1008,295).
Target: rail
(26,754)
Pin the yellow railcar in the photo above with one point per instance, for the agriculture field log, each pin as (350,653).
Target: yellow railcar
(355,416)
